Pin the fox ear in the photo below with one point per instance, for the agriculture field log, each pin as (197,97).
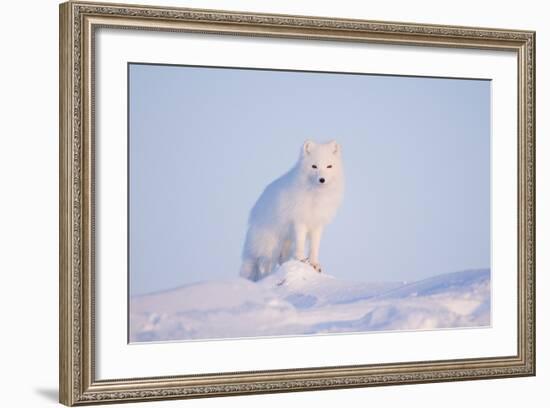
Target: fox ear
(335,147)
(308,144)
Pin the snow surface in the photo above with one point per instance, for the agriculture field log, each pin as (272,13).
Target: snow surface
(296,300)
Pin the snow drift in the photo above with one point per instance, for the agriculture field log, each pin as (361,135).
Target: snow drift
(296,300)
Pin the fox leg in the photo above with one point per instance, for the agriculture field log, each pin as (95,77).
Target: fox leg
(265,266)
(249,269)
(286,247)
(300,235)
(315,242)
(256,269)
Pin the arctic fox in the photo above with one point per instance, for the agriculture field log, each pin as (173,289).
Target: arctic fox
(294,209)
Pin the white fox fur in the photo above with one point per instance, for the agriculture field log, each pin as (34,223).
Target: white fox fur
(293,210)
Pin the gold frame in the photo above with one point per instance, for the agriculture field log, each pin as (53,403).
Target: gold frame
(78,21)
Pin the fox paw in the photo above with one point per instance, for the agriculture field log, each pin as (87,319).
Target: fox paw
(315,266)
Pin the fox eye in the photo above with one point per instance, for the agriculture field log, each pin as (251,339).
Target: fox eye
(314,166)
(329,166)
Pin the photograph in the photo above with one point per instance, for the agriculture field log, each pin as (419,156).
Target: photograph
(259,202)
(269,202)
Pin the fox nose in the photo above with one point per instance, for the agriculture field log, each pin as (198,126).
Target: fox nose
(321,180)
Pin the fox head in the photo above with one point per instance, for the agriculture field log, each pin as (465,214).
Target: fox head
(321,163)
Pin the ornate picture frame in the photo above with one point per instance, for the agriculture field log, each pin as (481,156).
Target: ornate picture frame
(79,22)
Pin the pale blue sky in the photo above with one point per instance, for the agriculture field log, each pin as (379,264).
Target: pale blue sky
(204,142)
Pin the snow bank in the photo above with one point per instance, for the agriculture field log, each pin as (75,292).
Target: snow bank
(296,300)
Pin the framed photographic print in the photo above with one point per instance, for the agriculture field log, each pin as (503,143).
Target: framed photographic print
(255,203)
